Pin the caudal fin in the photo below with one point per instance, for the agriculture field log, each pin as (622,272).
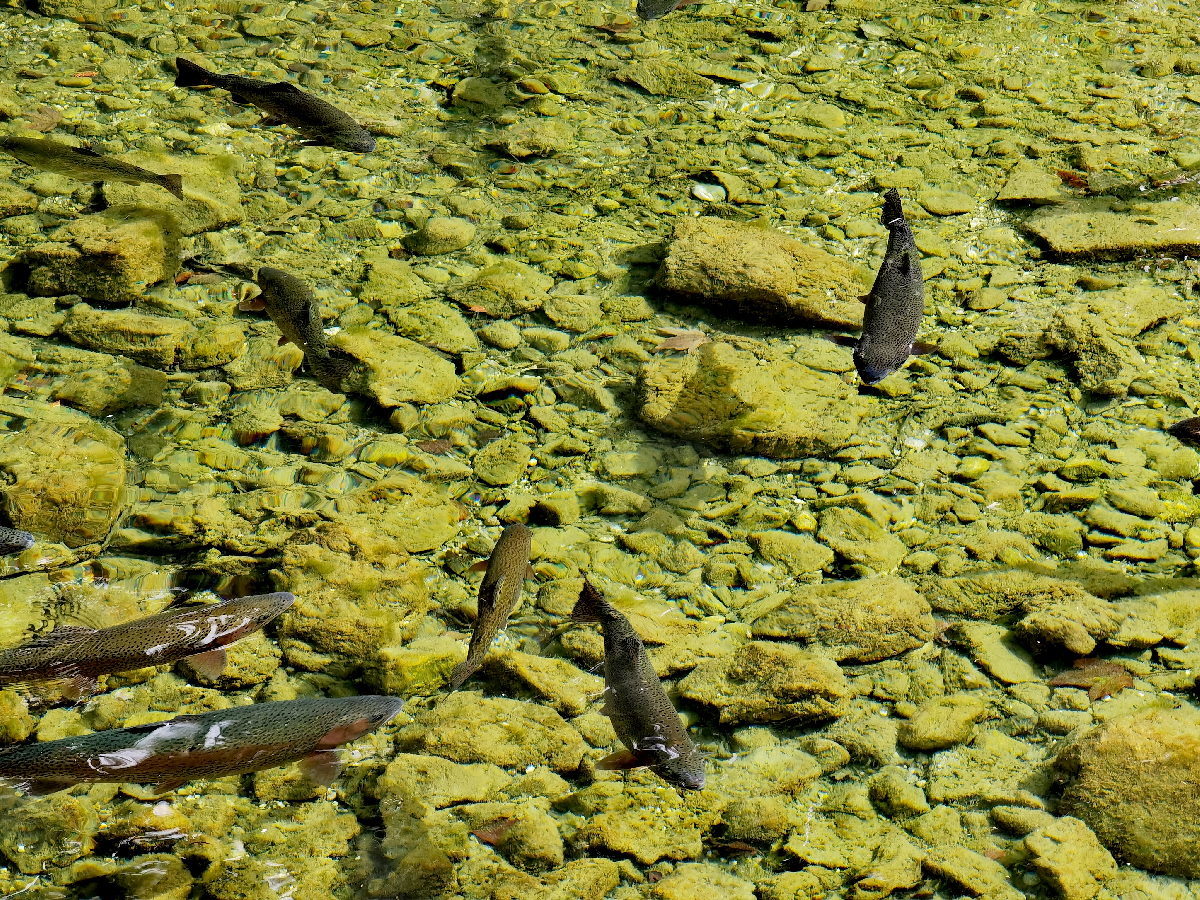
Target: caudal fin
(189,74)
(591,606)
(174,184)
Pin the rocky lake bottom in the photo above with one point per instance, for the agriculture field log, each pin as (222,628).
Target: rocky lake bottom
(938,638)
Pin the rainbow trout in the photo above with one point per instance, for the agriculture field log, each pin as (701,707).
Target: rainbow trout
(896,302)
(207,745)
(296,313)
(75,656)
(84,164)
(14,541)
(634,699)
(499,593)
(319,122)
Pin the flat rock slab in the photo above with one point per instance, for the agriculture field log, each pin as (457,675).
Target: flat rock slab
(1113,229)
(394,369)
(730,398)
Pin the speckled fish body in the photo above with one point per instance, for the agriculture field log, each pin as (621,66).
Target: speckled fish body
(14,541)
(656,9)
(634,700)
(1187,430)
(208,745)
(896,303)
(319,122)
(499,594)
(76,656)
(294,309)
(84,164)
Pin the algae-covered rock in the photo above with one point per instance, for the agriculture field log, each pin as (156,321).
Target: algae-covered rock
(16,723)
(394,369)
(1067,854)
(640,817)
(212,197)
(702,881)
(581,879)
(466,727)
(857,621)
(1105,365)
(501,462)
(972,872)
(662,77)
(568,689)
(765,682)
(798,554)
(504,290)
(1100,227)
(147,338)
(1135,781)
(441,234)
(1031,182)
(435,324)
(860,540)
(532,137)
(66,475)
(993,768)
(48,831)
(743,271)
(942,722)
(728,397)
(434,783)
(110,257)
(523,833)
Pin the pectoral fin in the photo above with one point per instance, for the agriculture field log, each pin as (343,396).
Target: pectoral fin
(322,767)
(210,664)
(842,340)
(40,787)
(623,759)
(920,348)
(343,734)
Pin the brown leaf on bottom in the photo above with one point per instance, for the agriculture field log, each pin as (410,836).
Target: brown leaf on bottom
(1101,677)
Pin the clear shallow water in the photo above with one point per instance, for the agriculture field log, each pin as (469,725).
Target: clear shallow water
(569,140)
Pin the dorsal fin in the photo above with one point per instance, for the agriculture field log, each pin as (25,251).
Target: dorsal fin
(60,635)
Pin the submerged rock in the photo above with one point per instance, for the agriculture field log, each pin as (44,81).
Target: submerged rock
(742,271)
(856,621)
(395,370)
(1135,781)
(730,398)
(1106,228)
(860,540)
(212,196)
(504,290)
(1067,854)
(111,257)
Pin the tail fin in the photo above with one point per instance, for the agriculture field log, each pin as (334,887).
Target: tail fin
(174,184)
(189,74)
(591,606)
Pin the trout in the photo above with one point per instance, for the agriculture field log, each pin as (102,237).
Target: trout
(319,122)
(642,715)
(656,9)
(296,313)
(83,163)
(14,541)
(75,657)
(1187,430)
(499,593)
(896,303)
(207,745)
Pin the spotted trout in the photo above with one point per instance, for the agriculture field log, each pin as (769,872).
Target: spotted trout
(83,163)
(14,541)
(499,593)
(896,302)
(319,122)
(634,700)
(207,745)
(296,313)
(75,657)
(656,9)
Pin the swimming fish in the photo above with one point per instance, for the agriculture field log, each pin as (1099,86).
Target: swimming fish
(896,303)
(499,592)
(83,163)
(656,9)
(1187,430)
(206,745)
(14,541)
(319,122)
(295,311)
(75,656)
(634,699)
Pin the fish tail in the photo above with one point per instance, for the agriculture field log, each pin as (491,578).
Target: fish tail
(174,184)
(590,607)
(189,74)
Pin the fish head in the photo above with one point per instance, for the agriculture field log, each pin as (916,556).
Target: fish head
(874,361)
(685,772)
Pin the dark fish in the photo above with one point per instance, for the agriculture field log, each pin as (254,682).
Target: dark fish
(295,311)
(14,541)
(1187,431)
(499,592)
(656,9)
(319,122)
(75,656)
(208,745)
(84,163)
(634,699)
(896,301)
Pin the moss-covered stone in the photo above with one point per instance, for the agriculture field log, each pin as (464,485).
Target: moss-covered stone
(942,722)
(395,370)
(1100,227)
(1067,854)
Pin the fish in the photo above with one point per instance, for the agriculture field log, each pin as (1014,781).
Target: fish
(1187,430)
(895,304)
(634,700)
(13,540)
(656,9)
(74,656)
(296,313)
(84,163)
(205,745)
(499,593)
(319,122)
